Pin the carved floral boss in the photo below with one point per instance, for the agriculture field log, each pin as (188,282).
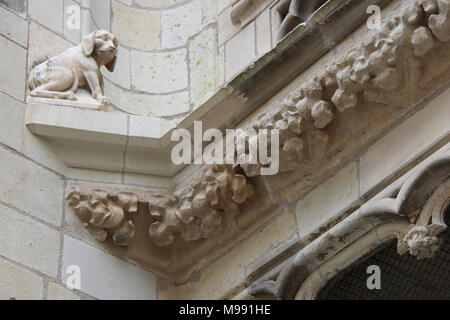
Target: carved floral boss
(198,211)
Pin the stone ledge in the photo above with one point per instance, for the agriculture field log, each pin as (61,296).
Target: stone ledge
(84,138)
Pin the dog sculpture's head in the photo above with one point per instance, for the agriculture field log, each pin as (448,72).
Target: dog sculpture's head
(103,45)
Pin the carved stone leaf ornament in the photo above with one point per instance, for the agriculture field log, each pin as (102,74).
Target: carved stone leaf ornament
(198,211)
(421,243)
(295,12)
(104,213)
(383,70)
(195,212)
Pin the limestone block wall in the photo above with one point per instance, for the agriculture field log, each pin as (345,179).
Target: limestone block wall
(35,247)
(170,62)
(175,55)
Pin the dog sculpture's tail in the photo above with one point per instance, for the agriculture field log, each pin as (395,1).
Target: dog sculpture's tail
(33,82)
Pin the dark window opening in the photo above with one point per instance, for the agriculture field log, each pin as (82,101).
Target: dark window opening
(402,277)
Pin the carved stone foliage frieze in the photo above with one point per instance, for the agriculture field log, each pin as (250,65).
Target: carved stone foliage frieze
(199,210)
(412,211)
(385,70)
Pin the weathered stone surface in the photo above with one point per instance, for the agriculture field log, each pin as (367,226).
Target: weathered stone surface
(341,192)
(394,151)
(240,51)
(136,28)
(263,33)
(204,66)
(338,101)
(166,105)
(226,28)
(18,283)
(29,242)
(209,9)
(180,23)
(13,27)
(159,72)
(118,279)
(33,189)
(44,44)
(412,210)
(45,11)
(71,32)
(101,212)
(101,13)
(439,21)
(226,276)
(328,112)
(201,210)
(156,4)
(222,4)
(16,5)
(58,292)
(13,64)
(295,12)
(11,127)
(122,72)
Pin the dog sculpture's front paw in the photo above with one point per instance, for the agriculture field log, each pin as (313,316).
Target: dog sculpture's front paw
(71,96)
(102,100)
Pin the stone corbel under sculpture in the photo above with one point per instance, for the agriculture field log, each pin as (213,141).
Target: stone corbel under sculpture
(421,200)
(198,211)
(384,70)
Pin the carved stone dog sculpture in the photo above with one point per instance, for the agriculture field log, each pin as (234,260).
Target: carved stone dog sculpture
(61,76)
